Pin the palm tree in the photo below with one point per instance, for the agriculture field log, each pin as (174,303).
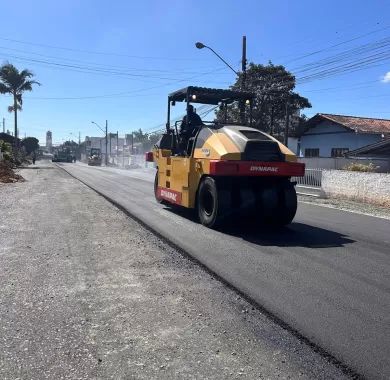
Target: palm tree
(140,136)
(15,82)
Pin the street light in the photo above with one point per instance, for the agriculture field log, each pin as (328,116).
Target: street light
(106,156)
(98,126)
(200,45)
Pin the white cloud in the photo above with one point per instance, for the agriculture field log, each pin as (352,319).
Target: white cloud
(386,78)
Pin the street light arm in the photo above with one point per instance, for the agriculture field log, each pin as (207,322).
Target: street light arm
(98,126)
(231,68)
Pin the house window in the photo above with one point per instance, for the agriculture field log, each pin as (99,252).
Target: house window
(339,152)
(312,152)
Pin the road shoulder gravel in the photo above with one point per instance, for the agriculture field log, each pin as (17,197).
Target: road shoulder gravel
(87,292)
(348,205)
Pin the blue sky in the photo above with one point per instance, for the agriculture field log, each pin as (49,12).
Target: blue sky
(117,60)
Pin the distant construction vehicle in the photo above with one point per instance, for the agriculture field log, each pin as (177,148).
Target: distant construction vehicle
(95,157)
(63,155)
(225,170)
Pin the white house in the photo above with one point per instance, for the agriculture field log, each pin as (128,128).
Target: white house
(328,135)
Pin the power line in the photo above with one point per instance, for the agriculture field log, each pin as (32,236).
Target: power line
(202,110)
(336,45)
(305,69)
(371,47)
(99,65)
(97,52)
(377,47)
(90,69)
(340,63)
(355,59)
(330,35)
(354,86)
(131,76)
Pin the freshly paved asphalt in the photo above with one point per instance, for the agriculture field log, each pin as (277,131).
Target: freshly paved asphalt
(327,275)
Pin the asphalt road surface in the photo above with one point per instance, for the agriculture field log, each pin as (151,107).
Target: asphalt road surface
(87,293)
(327,275)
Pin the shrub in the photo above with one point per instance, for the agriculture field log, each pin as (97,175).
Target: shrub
(6,149)
(356,167)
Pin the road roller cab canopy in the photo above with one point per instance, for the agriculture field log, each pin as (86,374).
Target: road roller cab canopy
(205,95)
(212,96)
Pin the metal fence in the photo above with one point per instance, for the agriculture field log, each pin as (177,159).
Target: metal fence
(312,178)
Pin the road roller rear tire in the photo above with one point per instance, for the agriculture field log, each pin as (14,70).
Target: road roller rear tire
(277,205)
(288,204)
(213,203)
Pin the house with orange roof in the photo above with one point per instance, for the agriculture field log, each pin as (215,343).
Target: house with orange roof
(329,135)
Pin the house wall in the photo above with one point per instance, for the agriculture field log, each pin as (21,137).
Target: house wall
(327,135)
(292,144)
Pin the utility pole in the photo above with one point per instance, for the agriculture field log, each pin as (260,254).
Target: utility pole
(117,143)
(132,143)
(106,144)
(243,79)
(243,63)
(79,150)
(3,124)
(287,122)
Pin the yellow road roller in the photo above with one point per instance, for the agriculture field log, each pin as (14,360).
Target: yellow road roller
(224,169)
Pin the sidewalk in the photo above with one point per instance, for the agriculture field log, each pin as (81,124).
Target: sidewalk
(86,292)
(348,205)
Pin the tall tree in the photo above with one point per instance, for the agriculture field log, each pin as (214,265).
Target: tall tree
(72,144)
(15,82)
(31,144)
(273,86)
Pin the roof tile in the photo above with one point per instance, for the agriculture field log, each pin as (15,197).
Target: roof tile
(360,124)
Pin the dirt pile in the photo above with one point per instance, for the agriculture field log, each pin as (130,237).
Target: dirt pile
(8,175)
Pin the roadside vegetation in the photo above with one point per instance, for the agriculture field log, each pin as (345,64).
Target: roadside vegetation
(14,151)
(7,164)
(356,167)
(6,150)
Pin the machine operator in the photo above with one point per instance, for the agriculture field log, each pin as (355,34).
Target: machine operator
(190,125)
